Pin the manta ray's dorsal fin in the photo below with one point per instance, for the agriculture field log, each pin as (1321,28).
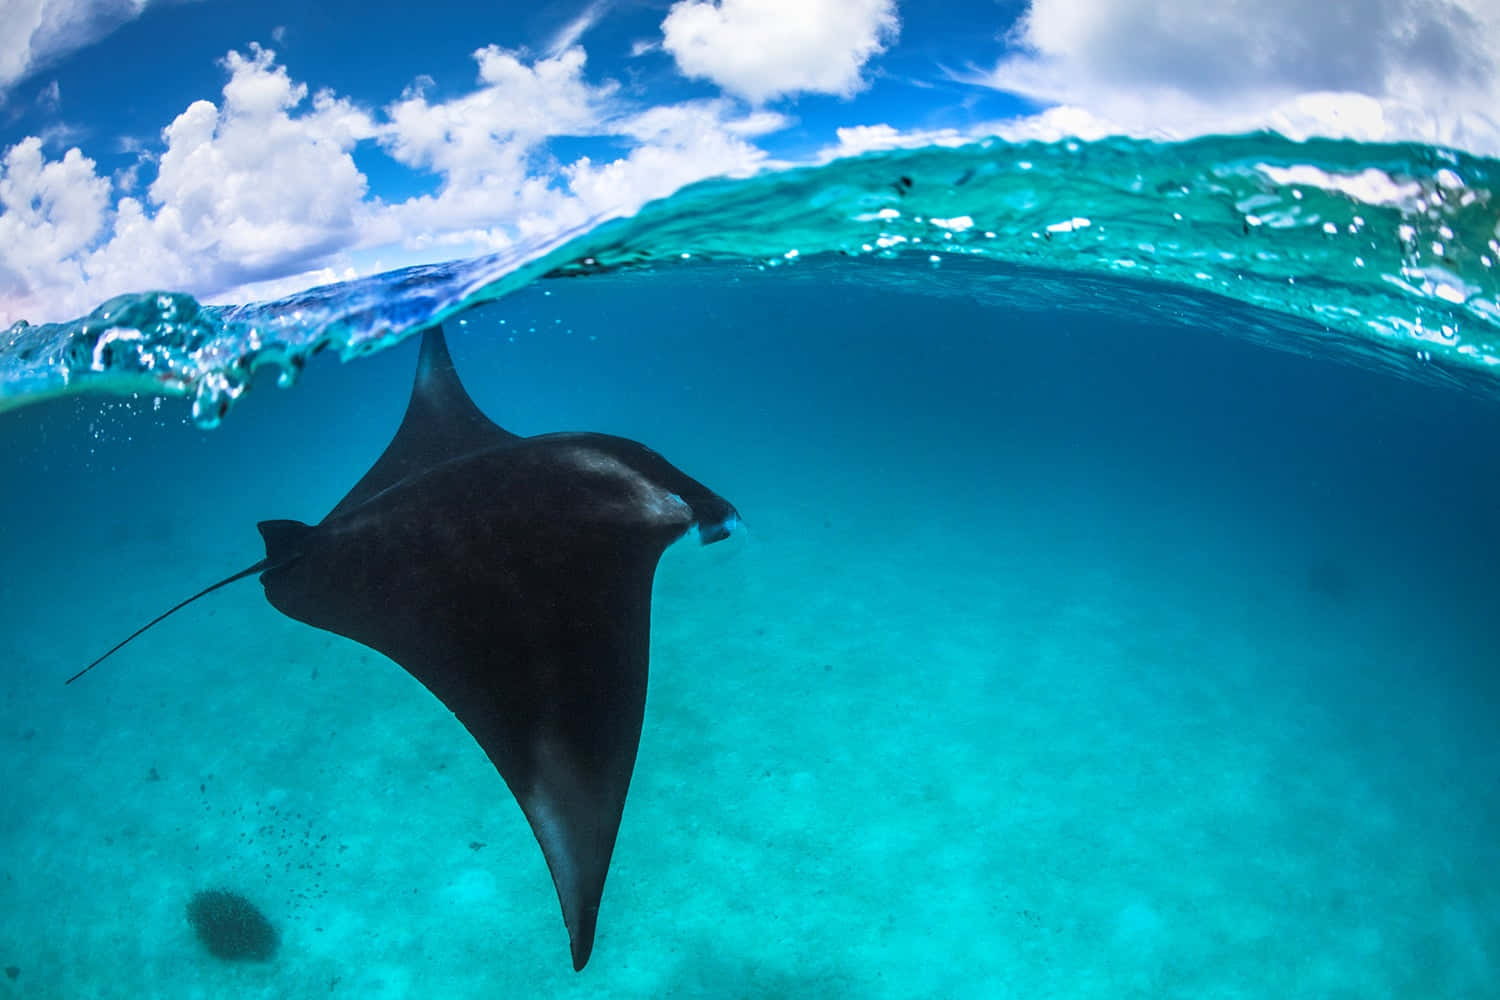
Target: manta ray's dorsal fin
(441,423)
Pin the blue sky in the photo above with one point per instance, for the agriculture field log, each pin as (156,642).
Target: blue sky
(241,150)
(122,88)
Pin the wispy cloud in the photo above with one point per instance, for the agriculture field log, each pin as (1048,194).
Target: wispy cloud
(60,135)
(133,145)
(49,98)
(571,33)
(34,33)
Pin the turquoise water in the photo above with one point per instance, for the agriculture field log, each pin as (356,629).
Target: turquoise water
(1376,253)
(1102,630)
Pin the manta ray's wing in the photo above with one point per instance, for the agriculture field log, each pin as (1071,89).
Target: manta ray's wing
(526,616)
(441,422)
(512,577)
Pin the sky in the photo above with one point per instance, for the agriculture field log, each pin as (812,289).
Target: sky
(240,150)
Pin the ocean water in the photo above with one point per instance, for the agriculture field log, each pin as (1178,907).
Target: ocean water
(1116,617)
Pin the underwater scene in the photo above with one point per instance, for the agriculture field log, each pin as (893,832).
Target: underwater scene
(1086,632)
(1019,567)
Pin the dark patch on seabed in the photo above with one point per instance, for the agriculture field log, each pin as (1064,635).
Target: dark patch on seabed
(1065,658)
(230,927)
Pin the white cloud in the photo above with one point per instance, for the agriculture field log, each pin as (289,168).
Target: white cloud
(35,32)
(259,193)
(255,188)
(677,144)
(500,182)
(762,49)
(490,131)
(489,148)
(51,212)
(251,189)
(1380,70)
(856,139)
(569,34)
(1051,125)
(60,135)
(275,288)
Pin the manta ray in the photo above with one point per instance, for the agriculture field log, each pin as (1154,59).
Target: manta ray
(512,577)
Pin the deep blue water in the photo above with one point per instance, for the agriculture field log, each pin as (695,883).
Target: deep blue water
(1066,656)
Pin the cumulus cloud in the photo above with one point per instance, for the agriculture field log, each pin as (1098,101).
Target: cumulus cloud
(261,188)
(490,131)
(676,144)
(490,149)
(1422,70)
(36,32)
(259,193)
(500,182)
(254,188)
(762,49)
(51,212)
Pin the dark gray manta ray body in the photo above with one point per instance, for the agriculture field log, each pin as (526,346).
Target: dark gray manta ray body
(512,577)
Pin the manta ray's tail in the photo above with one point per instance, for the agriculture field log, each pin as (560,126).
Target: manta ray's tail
(264,564)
